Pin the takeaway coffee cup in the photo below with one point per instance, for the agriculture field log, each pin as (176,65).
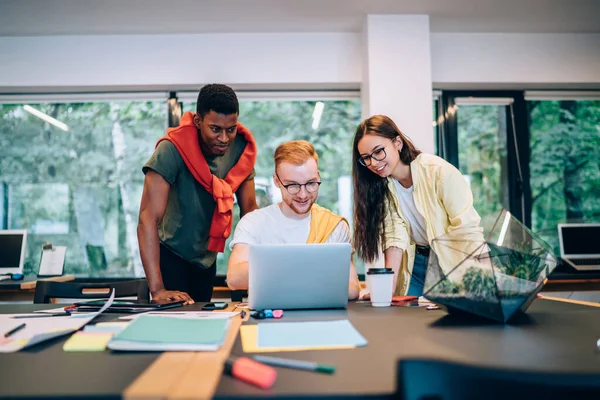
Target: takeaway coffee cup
(380,282)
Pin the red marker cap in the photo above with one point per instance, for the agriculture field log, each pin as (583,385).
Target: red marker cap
(251,371)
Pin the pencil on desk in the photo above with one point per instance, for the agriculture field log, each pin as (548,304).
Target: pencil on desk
(40,315)
(14,330)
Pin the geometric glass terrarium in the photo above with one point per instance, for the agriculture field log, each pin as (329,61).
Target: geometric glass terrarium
(495,278)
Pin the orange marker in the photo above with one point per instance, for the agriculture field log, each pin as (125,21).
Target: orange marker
(251,371)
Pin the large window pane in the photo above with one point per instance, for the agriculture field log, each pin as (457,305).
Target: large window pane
(275,122)
(482,157)
(565,171)
(71,175)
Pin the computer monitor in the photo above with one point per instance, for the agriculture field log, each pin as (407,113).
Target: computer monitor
(13,244)
(579,240)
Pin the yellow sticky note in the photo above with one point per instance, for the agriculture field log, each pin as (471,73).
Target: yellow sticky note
(88,341)
(249,337)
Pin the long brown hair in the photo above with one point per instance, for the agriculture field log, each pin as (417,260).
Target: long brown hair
(371,196)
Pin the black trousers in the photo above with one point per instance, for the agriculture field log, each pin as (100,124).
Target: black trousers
(179,274)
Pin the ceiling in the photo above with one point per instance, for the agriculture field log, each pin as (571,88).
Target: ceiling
(103,17)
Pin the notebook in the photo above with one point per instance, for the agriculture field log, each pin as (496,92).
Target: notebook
(316,335)
(580,245)
(162,333)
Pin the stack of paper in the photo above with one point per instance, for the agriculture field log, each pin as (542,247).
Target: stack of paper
(161,333)
(39,329)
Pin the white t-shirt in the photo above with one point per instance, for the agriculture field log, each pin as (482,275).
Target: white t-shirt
(269,226)
(418,231)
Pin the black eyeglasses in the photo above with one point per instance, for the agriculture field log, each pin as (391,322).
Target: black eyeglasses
(377,155)
(294,188)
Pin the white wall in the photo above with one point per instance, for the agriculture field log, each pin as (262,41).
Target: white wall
(515,58)
(397,81)
(290,59)
(166,60)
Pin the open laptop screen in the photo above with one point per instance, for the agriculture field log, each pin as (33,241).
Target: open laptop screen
(580,240)
(12,251)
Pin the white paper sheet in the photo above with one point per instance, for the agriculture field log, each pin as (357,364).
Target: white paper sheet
(53,261)
(40,329)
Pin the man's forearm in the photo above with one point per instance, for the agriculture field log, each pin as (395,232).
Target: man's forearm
(237,277)
(150,254)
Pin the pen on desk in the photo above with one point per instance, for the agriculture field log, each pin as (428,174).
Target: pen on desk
(296,364)
(14,330)
(65,314)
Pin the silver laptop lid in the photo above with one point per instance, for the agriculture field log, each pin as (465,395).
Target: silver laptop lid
(298,276)
(579,241)
(13,245)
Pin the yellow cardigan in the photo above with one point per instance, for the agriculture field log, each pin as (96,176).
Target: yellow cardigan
(322,224)
(445,200)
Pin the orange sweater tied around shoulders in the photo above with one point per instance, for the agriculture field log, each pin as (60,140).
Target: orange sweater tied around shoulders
(185,139)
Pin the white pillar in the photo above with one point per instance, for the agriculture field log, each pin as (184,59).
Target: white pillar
(397,74)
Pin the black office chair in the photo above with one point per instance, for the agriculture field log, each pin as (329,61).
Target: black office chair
(425,379)
(238,295)
(46,290)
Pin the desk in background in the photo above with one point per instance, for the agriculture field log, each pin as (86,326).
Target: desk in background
(573,281)
(24,289)
(552,336)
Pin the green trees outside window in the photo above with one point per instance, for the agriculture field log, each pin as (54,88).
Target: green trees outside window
(565,165)
(77,180)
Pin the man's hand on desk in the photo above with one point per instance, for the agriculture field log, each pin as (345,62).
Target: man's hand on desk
(164,295)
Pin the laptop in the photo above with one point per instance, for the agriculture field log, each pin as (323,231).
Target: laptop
(298,276)
(580,245)
(13,245)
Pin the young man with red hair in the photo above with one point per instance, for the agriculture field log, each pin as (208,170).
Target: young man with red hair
(296,219)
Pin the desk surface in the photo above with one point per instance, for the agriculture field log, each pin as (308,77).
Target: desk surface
(553,336)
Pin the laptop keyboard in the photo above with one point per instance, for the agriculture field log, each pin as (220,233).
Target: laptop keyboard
(589,261)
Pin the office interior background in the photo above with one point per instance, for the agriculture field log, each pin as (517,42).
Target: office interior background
(508,91)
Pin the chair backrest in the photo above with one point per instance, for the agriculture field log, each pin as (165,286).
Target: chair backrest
(426,379)
(238,295)
(46,290)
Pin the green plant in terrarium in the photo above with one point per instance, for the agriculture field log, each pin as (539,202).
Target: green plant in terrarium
(448,287)
(516,263)
(479,283)
(495,277)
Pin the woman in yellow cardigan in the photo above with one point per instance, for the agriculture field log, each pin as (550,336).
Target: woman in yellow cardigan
(403,199)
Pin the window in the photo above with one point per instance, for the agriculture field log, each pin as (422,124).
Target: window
(565,166)
(273,122)
(482,156)
(71,174)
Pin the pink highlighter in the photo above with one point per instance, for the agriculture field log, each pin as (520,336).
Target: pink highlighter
(277,313)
